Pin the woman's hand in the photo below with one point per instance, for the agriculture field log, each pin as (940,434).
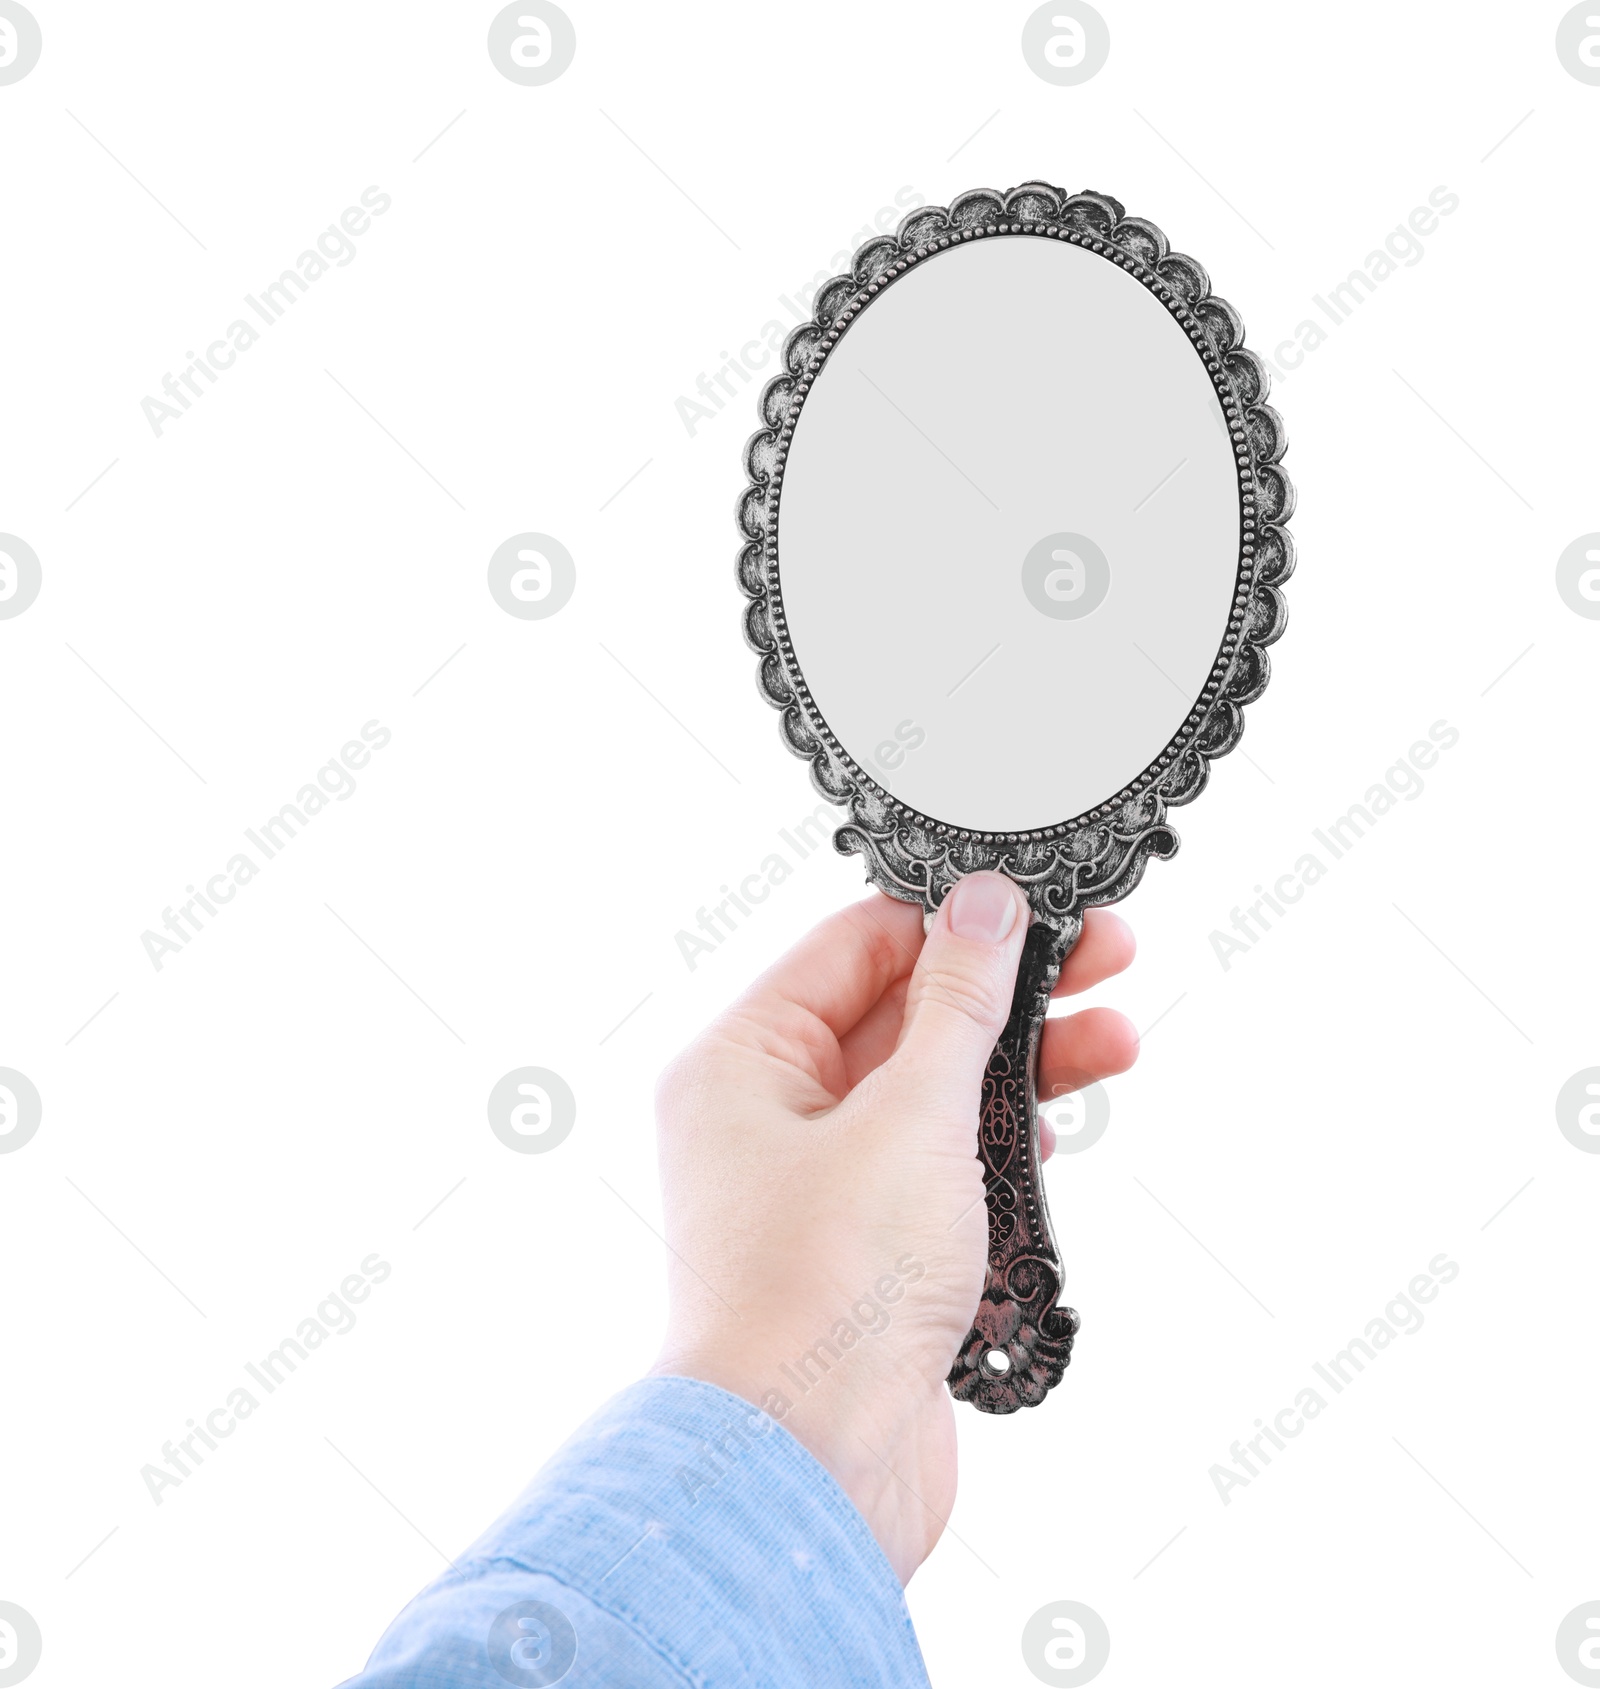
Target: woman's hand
(823,1194)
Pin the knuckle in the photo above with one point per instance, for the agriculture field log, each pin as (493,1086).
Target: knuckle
(968,996)
(684,1078)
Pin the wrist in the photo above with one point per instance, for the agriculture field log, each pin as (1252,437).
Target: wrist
(869,1435)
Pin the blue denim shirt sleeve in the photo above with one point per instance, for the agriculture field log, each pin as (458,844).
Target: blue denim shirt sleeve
(681,1537)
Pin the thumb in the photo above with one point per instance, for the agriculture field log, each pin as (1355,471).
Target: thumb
(960,991)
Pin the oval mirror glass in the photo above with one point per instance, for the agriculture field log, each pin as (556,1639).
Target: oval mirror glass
(1008,533)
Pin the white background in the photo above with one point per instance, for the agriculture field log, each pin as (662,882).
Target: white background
(1359,1092)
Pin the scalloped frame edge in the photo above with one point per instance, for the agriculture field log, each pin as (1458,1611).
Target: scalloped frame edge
(1099,856)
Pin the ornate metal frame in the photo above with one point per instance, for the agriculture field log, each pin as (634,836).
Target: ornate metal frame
(1096,857)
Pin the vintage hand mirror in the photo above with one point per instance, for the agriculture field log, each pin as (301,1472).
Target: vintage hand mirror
(1014,543)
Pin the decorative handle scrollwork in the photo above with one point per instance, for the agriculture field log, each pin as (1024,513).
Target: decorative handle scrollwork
(1020,1342)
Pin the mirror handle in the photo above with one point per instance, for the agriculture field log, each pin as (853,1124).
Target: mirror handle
(1020,1342)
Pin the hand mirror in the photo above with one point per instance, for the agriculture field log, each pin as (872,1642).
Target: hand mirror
(1014,539)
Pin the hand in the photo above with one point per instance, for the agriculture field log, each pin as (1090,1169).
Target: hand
(823,1196)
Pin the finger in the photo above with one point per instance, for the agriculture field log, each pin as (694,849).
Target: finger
(842,967)
(1047,1139)
(1106,948)
(960,990)
(872,1040)
(1076,1050)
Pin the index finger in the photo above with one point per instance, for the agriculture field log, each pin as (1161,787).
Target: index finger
(841,968)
